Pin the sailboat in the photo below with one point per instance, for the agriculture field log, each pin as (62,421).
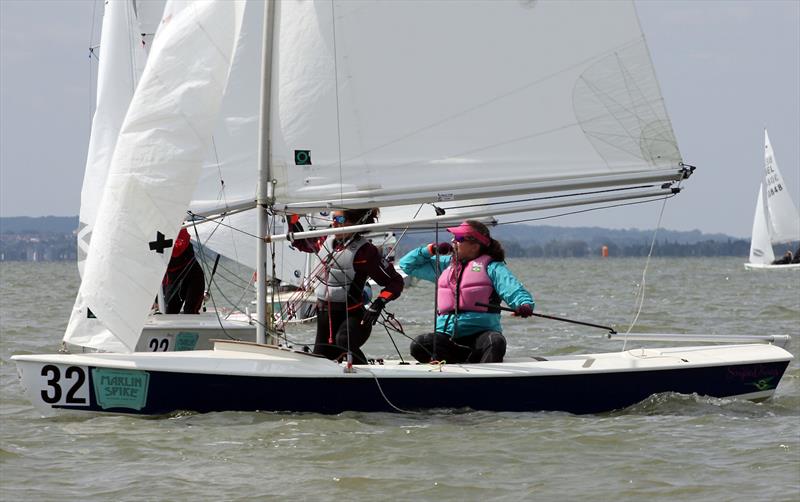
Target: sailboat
(385,104)
(775,222)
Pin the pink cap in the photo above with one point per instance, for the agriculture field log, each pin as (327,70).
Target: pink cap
(465,230)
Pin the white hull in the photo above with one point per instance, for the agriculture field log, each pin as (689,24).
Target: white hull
(761,266)
(246,376)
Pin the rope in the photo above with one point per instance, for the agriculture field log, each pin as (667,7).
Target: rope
(385,397)
(641,293)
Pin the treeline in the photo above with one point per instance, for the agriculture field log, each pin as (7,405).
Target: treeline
(582,249)
(53,238)
(522,241)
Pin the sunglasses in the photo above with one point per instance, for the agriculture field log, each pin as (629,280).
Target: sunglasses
(338,219)
(462,238)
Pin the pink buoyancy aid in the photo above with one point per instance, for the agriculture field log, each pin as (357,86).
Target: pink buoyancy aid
(476,286)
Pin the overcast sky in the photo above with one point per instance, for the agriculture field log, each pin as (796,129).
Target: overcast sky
(727,69)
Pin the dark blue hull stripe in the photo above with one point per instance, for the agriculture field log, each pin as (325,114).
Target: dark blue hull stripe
(587,393)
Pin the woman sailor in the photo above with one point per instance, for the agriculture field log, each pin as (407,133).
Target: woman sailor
(343,322)
(475,273)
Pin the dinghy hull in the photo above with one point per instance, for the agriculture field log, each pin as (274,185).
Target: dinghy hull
(251,378)
(760,266)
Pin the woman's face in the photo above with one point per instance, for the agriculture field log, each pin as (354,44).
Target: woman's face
(466,248)
(338,220)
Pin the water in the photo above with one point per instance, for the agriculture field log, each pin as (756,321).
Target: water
(668,447)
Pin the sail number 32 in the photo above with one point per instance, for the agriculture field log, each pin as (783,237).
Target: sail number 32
(68,388)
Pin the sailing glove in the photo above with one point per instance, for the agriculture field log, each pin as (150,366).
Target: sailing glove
(373,313)
(442,247)
(524,310)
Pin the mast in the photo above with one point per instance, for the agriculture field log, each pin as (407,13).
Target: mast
(264,196)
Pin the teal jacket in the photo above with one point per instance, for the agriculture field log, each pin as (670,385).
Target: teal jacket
(419,263)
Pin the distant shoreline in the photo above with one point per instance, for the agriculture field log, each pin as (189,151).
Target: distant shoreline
(52,238)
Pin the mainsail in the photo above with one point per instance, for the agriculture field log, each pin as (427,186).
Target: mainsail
(375,107)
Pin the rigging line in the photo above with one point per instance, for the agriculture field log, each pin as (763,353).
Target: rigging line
(238,284)
(241,298)
(91,29)
(584,210)
(217,316)
(405,230)
(221,195)
(425,230)
(336,93)
(437,269)
(211,297)
(234,305)
(235,274)
(385,321)
(129,18)
(558,196)
(202,251)
(220,223)
(91,53)
(641,292)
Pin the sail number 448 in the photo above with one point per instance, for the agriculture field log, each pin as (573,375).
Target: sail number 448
(65,385)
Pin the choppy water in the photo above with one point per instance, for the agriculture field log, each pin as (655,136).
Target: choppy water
(669,447)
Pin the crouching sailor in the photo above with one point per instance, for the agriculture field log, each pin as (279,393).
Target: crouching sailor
(473,271)
(344,323)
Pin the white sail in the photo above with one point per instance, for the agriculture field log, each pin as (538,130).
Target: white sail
(760,244)
(156,164)
(127,27)
(229,171)
(229,174)
(390,111)
(784,220)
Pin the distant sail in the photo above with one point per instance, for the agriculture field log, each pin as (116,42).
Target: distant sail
(784,220)
(760,244)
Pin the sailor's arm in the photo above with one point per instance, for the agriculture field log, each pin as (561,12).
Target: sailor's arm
(421,263)
(508,286)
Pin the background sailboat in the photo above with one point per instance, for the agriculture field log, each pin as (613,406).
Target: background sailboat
(776,219)
(348,122)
